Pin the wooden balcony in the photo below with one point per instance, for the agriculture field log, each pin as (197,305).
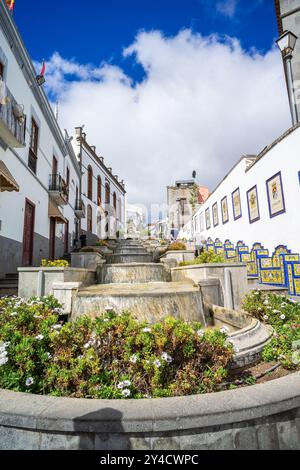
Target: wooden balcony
(12,122)
(58,190)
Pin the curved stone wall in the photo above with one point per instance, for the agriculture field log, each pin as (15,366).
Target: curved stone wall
(264,416)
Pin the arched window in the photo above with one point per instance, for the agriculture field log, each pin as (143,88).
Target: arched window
(115,201)
(89,218)
(90,183)
(99,191)
(107,193)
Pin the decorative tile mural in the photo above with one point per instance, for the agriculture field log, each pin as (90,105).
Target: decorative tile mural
(282,269)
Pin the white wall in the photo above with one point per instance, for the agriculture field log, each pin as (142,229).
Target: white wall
(271,232)
(100,170)
(33,187)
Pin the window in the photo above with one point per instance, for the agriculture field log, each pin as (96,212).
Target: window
(90,183)
(33,149)
(107,193)
(99,191)
(1,71)
(115,201)
(68,183)
(89,219)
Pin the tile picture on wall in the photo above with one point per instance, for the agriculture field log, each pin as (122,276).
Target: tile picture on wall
(225,213)
(236,204)
(215,215)
(275,195)
(253,206)
(207,218)
(202,228)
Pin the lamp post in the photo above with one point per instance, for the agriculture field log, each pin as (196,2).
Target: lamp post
(286,44)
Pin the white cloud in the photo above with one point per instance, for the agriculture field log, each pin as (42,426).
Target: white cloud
(203,103)
(227,7)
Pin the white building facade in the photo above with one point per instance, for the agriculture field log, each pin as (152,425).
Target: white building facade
(258,201)
(37,221)
(45,205)
(103,194)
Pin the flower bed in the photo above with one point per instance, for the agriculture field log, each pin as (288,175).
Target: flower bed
(111,357)
(59,263)
(284,316)
(208,257)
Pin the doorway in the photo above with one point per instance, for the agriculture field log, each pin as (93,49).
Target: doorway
(28,234)
(52,239)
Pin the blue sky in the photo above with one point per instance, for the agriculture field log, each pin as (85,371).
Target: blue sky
(164,87)
(97,30)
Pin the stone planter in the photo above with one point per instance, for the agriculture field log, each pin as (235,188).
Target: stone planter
(262,417)
(232,278)
(39,281)
(179,256)
(86,260)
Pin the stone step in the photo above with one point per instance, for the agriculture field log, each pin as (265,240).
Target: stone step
(129,258)
(133,273)
(149,302)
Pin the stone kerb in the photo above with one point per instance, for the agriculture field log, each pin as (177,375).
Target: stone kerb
(265,416)
(180,255)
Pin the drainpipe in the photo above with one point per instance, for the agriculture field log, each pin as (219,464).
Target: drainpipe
(229,298)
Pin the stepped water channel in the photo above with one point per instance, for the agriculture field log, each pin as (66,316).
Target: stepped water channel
(131,281)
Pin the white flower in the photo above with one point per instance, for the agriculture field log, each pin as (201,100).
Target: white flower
(266,318)
(87,346)
(260,309)
(39,337)
(282,317)
(134,359)
(200,333)
(157,363)
(147,330)
(14,314)
(106,320)
(127,383)
(3,360)
(165,357)
(121,385)
(224,329)
(29,382)
(57,327)
(276,311)
(266,302)
(49,355)
(126,393)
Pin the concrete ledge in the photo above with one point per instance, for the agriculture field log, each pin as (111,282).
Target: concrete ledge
(195,423)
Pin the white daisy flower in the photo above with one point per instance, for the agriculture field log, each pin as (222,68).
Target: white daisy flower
(29,382)
(134,359)
(282,317)
(126,393)
(157,363)
(147,330)
(39,338)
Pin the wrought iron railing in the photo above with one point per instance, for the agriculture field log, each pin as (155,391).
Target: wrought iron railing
(10,116)
(58,184)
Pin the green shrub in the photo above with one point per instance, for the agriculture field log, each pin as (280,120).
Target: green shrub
(102,243)
(207,257)
(110,357)
(177,246)
(284,317)
(59,263)
(89,249)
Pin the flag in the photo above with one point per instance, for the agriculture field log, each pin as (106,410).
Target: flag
(10,4)
(43,69)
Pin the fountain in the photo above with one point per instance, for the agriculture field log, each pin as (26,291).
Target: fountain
(131,281)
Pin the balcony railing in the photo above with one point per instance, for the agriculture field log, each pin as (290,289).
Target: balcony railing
(80,209)
(58,189)
(12,122)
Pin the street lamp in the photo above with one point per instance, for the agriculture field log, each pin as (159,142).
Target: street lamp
(286,44)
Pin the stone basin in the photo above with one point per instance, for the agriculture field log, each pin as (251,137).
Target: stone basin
(133,273)
(150,302)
